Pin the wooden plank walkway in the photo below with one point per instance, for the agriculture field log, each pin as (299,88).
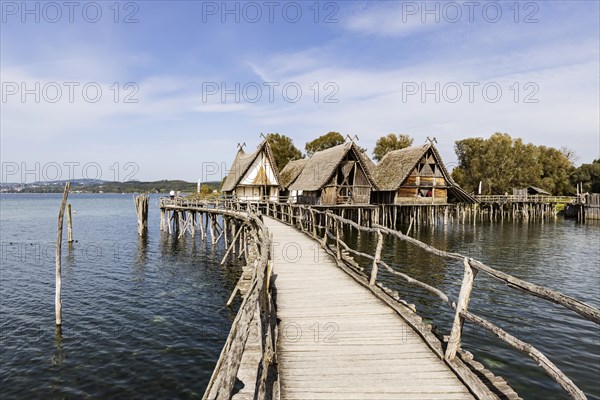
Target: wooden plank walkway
(338,341)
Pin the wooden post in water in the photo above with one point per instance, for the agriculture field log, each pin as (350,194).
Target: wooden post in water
(58,282)
(69,224)
(213,229)
(201,223)
(141,208)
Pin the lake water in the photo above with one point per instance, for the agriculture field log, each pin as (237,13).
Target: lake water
(147,318)
(141,319)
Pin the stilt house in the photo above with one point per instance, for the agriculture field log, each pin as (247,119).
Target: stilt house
(416,175)
(253,176)
(338,175)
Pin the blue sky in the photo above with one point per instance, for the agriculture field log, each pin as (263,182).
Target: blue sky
(207,75)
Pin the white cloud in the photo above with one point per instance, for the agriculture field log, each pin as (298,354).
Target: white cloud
(390,19)
(371,100)
(563,65)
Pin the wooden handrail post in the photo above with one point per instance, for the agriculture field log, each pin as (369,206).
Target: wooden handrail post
(313,223)
(337,239)
(461,305)
(377,257)
(324,240)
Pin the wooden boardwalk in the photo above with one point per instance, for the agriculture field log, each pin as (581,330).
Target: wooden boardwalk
(338,341)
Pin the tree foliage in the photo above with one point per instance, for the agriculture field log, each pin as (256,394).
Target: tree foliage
(556,169)
(390,142)
(323,142)
(502,163)
(589,175)
(283,149)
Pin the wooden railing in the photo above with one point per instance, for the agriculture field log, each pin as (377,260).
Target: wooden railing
(545,199)
(256,302)
(324,226)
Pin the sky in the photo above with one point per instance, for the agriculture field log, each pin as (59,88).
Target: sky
(152,90)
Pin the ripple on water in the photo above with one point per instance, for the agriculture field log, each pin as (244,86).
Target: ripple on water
(141,319)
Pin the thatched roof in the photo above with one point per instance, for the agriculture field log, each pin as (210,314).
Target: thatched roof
(243,161)
(370,166)
(397,165)
(291,172)
(536,190)
(319,168)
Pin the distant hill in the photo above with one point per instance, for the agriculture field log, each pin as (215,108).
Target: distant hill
(96,186)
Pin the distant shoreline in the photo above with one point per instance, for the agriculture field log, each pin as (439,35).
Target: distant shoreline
(158,187)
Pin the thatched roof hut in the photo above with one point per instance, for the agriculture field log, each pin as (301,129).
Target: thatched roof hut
(253,176)
(533,190)
(416,175)
(292,171)
(288,176)
(338,175)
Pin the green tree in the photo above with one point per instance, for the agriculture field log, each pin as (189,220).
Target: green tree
(556,170)
(326,141)
(283,149)
(589,175)
(390,142)
(500,163)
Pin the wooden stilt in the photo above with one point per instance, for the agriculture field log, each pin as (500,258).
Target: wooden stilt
(58,277)
(193,227)
(232,247)
(141,207)
(212,229)
(225,232)
(69,224)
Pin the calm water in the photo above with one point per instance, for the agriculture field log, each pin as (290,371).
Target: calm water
(561,255)
(140,319)
(146,319)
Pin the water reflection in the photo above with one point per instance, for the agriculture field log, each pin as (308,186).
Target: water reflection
(58,357)
(131,306)
(142,252)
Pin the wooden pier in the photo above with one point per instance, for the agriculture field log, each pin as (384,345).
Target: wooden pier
(315,323)
(586,208)
(341,342)
(500,207)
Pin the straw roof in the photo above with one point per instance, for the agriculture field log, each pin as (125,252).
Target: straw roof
(536,190)
(291,172)
(397,165)
(319,168)
(370,166)
(243,161)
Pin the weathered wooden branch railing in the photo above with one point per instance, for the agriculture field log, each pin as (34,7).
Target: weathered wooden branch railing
(257,302)
(324,225)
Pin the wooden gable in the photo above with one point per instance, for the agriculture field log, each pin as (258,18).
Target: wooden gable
(425,182)
(427,172)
